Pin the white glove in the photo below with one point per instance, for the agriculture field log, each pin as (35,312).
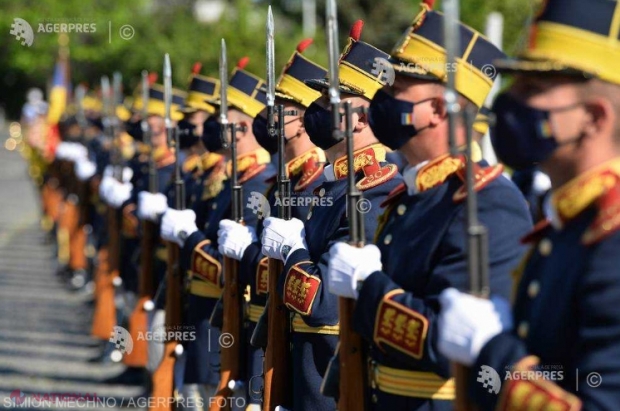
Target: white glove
(233,238)
(105,187)
(349,265)
(177,225)
(126,173)
(62,150)
(151,206)
(118,194)
(71,151)
(281,237)
(467,323)
(79,152)
(85,169)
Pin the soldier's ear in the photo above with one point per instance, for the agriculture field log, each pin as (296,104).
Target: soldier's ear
(362,122)
(601,117)
(438,111)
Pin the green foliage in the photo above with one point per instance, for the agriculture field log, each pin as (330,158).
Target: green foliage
(170,26)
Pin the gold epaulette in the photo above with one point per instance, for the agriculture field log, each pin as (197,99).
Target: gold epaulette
(192,164)
(607,220)
(210,160)
(251,164)
(163,157)
(482,177)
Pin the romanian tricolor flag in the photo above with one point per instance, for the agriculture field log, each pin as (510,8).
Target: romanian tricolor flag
(59,90)
(58,95)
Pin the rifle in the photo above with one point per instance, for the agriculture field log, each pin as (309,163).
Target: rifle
(138,321)
(231,296)
(163,377)
(477,237)
(104,317)
(278,375)
(348,363)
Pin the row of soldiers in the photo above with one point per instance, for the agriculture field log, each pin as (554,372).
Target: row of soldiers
(186,223)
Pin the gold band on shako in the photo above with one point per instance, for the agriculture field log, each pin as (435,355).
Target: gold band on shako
(421,51)
(571,35)
(156,105)
(246,90)
(202,88)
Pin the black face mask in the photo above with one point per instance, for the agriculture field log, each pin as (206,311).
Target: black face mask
(134,129)
(187,134)
(318,124)
(391,119)
(522,135)
(211,135)
(259,128)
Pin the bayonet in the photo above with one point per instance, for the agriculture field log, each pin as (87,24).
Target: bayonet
(451,36)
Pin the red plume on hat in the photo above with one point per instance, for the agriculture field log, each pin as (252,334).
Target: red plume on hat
(429,3)
(304,44)
(196,68)
(243,61)
(152,78)
(356,30)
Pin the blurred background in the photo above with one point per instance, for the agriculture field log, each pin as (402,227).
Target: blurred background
(190,31)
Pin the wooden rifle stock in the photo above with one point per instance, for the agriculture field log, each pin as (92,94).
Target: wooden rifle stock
(232,326)
(138,320)
(163,377)
(104,318)
(352,362)
(278,376)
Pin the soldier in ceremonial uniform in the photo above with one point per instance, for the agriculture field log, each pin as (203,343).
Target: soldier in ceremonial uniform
(197,165)
(127,193)
(421,241)
(562,112)
(304,245)
(304,167)
(199,246)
